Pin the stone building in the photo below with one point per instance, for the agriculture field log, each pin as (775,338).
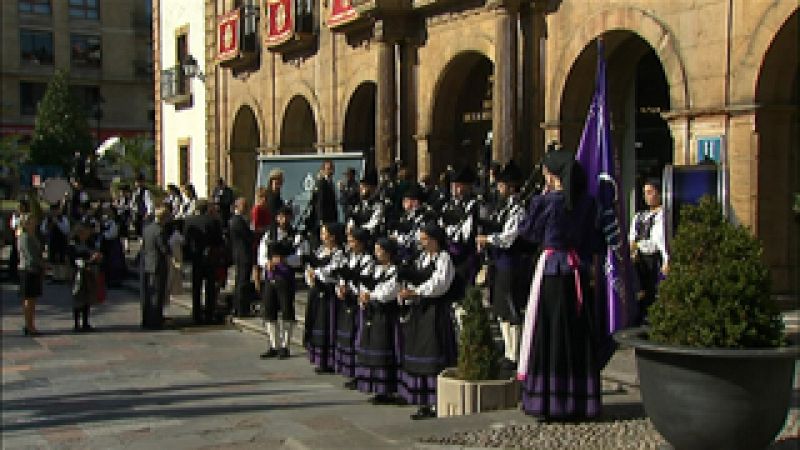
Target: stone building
(438,82)
(104,44)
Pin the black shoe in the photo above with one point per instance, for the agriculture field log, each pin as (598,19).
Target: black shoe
(383,399)
(352,384)
(271,353)
(323,370)
(86,328)
(424,412)
(28,332)
(283,353)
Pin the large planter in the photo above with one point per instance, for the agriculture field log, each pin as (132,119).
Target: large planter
(701,398)
(459,397)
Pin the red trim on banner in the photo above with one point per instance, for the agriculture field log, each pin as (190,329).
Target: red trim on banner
(342,12)
(280,21)
(228,38)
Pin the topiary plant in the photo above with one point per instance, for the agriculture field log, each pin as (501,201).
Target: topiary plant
(717,293)
(477,354)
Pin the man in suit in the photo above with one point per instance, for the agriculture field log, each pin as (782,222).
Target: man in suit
(154,261)
(323,200)
(241,240)
(203,237)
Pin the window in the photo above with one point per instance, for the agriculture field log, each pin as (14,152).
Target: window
(182,53)
(84,9)
(183,170)
(35,6)
(30,94)
(36,46)
(86,51)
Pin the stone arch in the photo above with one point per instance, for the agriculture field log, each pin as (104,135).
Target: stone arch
(451,140)
(243,149)
(301,89)
(299,132)
(777,94)
(358,126)
(477,43)
(748,66)
(637,21)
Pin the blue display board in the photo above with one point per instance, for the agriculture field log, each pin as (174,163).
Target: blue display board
(300,171)
(685,185)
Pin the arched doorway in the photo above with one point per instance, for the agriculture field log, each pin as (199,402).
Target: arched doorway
(777,132)
(462,113)
(244,142)
(359,123)
(298,130)
(638,93)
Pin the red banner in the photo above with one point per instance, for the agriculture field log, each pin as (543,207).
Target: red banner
(228,38)
(342,11)
(280,21)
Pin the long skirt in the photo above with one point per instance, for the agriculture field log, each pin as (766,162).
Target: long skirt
(429,346)
(320,333)
(347,324)
(377,355)
(563,377)
(114,261)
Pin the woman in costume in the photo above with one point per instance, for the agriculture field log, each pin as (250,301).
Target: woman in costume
(321,277)
(429,342)
(376,350)
(558,368)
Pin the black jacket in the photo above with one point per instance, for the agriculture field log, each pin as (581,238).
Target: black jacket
(325,202)
(241,240)
(202,233)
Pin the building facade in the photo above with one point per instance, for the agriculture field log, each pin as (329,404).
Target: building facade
(104,44)
(181,31)
(438,82)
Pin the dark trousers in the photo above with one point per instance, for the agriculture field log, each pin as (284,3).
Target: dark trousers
(242,294)
(153,295)
(278,295)
(203,274)
(648,268)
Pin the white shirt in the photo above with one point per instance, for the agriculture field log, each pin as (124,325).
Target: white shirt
(386,291)
(506,237)
(657,239)
(443,274)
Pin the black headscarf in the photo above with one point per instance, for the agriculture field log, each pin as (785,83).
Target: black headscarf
(562,164)
(434,231)
(337,230)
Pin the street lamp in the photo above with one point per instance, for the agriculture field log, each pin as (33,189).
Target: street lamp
(191,69)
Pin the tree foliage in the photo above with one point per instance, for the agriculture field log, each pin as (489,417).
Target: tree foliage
(717,293)
(477,354)
(61,127)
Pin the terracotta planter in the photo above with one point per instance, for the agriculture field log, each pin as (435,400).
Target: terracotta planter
(702,398)
(459,397)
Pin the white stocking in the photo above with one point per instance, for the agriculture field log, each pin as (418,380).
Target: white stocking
(286,333)
(505,331)
(272,332)
(514,334)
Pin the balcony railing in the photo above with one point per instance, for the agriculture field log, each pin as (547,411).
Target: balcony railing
(238,38)
(175,88)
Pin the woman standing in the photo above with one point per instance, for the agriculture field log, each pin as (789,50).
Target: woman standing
(557,364)
(31,270)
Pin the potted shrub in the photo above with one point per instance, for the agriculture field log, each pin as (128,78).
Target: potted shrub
(475,384)
(713,366)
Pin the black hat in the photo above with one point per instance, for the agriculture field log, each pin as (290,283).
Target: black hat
(510,173)
(369,178)
(434,231)
(360,234)
(414,192)
(278,248)
(653,181)
(466,175)
(389,245)
(562,163)
(337,230)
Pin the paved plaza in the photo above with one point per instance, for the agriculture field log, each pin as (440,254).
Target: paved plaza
(204,387)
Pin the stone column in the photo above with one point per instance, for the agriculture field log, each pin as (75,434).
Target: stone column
(385,108)
(504,90)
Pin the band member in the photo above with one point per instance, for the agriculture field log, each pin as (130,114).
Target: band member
(429,341)
(459,220)
(114,264)
(321,308)
(142,204)
(377,359)
(648,246)
(406,231)
(510,259)
(557,363)
(359,265)
(278,293)
(369,212)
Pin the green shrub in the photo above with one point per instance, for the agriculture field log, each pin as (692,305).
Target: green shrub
(477,354)
(717,292)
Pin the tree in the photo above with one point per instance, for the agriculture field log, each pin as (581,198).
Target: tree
(477,354)
(138,154)
(61,126)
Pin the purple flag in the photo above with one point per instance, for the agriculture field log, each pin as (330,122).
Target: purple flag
(596,156)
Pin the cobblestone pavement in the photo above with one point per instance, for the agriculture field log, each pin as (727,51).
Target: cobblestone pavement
(204,387)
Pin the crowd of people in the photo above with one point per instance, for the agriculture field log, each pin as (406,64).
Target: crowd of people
(384,278)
